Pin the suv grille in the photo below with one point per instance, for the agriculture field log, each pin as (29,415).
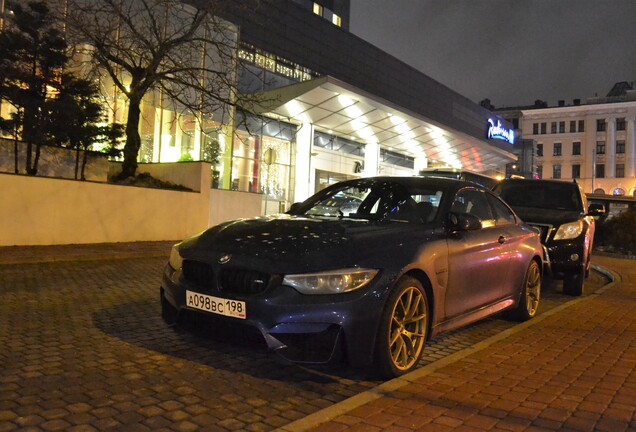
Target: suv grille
(544,230)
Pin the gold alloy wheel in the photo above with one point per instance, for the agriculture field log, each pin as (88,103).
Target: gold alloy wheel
(408,328)
(533,289)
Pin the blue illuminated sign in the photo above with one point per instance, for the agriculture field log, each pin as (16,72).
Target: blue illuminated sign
(498,132)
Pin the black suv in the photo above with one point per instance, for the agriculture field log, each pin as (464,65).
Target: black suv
(559,211)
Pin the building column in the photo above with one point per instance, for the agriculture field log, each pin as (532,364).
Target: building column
(630,143)
(610,148)
(371,159)
(303,177)
(420,163)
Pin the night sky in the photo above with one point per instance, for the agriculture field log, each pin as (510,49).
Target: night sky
(512,52)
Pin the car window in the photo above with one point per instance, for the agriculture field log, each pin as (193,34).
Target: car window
(474,202)
(378,201)
(503,215)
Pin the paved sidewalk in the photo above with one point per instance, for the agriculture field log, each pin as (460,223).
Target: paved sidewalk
(573,368)
(83,252)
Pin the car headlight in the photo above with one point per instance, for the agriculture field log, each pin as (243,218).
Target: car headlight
(330,282)
(175,258)
(569,230)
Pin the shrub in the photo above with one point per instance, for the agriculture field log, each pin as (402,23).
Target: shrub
(618,233)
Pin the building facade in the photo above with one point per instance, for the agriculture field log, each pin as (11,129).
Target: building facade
(593,143)
(335,107)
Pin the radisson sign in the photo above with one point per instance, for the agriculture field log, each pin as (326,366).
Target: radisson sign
(498,132)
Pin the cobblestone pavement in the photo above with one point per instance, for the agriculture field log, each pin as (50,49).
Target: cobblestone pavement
(83,348)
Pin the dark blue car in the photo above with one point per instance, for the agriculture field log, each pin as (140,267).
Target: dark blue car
(416,257)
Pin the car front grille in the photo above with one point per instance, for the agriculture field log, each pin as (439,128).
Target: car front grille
(243,281)
(544,230)
(199,273)
(230,280)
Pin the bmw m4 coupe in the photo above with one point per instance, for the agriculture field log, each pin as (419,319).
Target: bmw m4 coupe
(403,259)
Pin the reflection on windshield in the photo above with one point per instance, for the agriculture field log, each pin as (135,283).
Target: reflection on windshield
(377,201)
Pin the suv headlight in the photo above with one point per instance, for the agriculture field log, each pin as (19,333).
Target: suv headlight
(175,258)
(569,230)
(330,282)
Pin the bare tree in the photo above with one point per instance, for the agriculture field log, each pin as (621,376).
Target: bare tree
(185,52)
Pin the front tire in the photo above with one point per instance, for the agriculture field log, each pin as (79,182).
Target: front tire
(573,283)
(530,294)
(403,329)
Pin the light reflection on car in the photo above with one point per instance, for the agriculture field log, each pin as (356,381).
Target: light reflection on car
(411,257)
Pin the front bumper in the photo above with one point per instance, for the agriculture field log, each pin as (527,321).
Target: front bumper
(301,328)
(563,257)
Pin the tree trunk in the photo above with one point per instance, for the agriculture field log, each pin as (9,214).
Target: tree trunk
(84,161)
(15,152)
(77,158)
(29,151)
(133,140)
(34,169)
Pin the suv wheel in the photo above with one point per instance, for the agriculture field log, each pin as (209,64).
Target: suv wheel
(573,283)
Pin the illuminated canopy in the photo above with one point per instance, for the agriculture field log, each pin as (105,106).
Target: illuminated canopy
(337,108)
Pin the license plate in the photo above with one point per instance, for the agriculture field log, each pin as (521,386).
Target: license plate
(216,305)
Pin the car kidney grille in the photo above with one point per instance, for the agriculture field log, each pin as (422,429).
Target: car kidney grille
(198,272)
(243,281)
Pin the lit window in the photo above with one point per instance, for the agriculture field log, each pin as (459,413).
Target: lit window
(318,10)
(336,20)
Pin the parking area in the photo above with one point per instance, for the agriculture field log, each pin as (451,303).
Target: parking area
(84,348)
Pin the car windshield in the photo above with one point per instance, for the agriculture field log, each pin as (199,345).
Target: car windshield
(377,200)
(551,196)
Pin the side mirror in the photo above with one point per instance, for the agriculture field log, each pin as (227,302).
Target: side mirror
(293,209)
(595,210)
(463,222)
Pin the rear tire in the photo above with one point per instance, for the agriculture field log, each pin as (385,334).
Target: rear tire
(403,329)
(573,283)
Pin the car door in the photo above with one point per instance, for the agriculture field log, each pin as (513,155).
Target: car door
(477,259)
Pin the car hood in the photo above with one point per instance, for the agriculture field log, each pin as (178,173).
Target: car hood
(546,216)
(285,243)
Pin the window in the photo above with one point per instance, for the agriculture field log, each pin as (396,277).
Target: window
(539,149)
(620,146)
(600,147)
(503,215)
(474,202)
(336,20)
(556,151)
(535,129)
(620,170)
(540,172)
(576,171)
(581,125)
(600,125)
(556,171)
(543,128)
(576,148)
(318,10)
(572,125)
(600,171)
(562,127)
(620,123)
(553,128)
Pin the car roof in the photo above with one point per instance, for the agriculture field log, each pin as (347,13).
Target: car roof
(418,181)
(530,182)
